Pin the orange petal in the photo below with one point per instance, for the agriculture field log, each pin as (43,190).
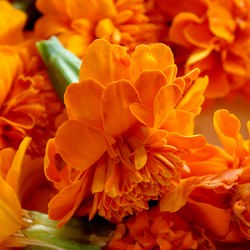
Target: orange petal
(194,96)
(9,66)
(221,22)
(227,127)
(187,142)
(174,200)
(13,176)
(165,100)
(63,206)
(148,84)
(83,102)
(117,97)
(10,210)
(50,169)
(157,56)
(79,145)
(142,113)
(54,7)
(205,214)
(105,62)
(180,23)
(180,121)
(199,35)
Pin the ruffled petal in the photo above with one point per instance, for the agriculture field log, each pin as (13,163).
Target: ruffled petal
(83,102)
(79,145)
(105,62)
(156,56)
(117,117)
(227,127)
(164,102)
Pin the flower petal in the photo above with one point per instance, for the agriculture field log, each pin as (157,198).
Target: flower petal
(10,210)
(148,84)
(227,127)
(105,62)
(156,56)
(79,145)
(165,100)
(117,97)
(83,102)
(65,203)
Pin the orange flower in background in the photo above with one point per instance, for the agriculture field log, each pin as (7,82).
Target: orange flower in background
(12,22)
(117,150)
(223,194)
(28,103)
(155,230)
(78,23)
(215,33)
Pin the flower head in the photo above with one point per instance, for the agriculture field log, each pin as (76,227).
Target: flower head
(28,104)
(220,187)
(117,150)
(215,33)
(78,23)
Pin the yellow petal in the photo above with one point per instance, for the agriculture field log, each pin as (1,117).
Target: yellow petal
(140,157)
(13,176)
(10,210)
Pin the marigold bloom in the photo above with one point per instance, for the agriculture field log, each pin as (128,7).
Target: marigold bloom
(223,194)
(12,23)
(78,23)
(117,150)
(158,230)
(28,103)
(215,33)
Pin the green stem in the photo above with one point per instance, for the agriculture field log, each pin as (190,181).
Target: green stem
(62,66)
(77,234)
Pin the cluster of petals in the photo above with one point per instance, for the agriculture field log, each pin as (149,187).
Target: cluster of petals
(217,186)
(215,33)
(28,103)
(128,116)
(153,229)
(78,23)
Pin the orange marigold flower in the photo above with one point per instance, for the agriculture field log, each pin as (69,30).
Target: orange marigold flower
(153,229)
(215,33)
(117,150)
(221,191)
(28,103)
(78,23)
(12,23)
